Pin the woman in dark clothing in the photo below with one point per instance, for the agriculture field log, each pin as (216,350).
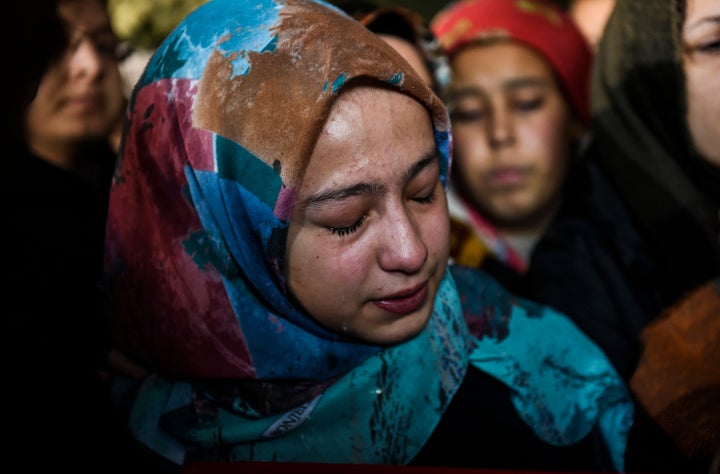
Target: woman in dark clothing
(643,228)
(656,101)
(652,146)
(633,257)
(55,184)
(518,182)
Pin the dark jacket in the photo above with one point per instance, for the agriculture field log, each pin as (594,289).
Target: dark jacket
(593,265)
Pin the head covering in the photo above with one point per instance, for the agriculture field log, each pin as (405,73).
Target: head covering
(538,24)
(222,124)
(642,141)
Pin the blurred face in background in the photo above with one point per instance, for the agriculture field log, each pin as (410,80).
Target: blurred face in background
(591,17)
(513,131)
(701,60)
(80,96)
(412,55)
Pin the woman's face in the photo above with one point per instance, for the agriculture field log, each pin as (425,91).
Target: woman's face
(513,130)
(80,97)
(369,235)
(701,58)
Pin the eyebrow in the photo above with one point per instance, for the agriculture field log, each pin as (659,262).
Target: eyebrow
(340,193)
(527,82)
(715,19)
(516,83)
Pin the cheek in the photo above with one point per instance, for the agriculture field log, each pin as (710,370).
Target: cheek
(471,151)
(547,140)
(704,114)
(436,231)
(322,263)
(550,130)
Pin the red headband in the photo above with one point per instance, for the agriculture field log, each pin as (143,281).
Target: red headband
(539,24)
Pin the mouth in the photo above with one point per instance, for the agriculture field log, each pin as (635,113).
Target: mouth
(511,176)
(404,302)
(84,103)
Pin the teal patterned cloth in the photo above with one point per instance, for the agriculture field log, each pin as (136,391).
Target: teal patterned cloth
(562,383)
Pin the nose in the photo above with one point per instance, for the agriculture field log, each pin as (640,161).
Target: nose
(85,59)
(500,128)
(403,247)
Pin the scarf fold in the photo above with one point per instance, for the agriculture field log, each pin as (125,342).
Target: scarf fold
(563,386)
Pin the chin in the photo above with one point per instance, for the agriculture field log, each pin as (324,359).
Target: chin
(403,329)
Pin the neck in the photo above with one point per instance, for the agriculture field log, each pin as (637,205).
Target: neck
(523,236)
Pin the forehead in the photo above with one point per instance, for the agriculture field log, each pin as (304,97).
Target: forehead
(505,58)
(86,15)
(376,104)
(366,126)
(696,10)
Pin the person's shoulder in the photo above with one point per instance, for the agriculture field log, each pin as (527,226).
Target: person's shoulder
(592,216)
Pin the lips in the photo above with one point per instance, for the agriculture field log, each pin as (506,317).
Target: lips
(507,176)
(84,102)
(405,301)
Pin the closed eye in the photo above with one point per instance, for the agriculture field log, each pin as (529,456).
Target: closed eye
(712,47)
(429,199)
(462,116)
(528,105)
(342,231)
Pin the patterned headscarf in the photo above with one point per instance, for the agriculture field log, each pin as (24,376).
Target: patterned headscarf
(221,126)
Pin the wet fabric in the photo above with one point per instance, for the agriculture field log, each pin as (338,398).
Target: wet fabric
(222,124)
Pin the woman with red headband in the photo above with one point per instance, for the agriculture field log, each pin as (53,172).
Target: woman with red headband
(519,105)
(520,108)
(635,264)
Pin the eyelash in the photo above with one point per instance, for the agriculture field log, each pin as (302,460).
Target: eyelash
(429,199)
(343,231)
(712,47)
(521,106)
(528,105)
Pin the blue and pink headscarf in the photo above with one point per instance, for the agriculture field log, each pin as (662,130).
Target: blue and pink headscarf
(221,126)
